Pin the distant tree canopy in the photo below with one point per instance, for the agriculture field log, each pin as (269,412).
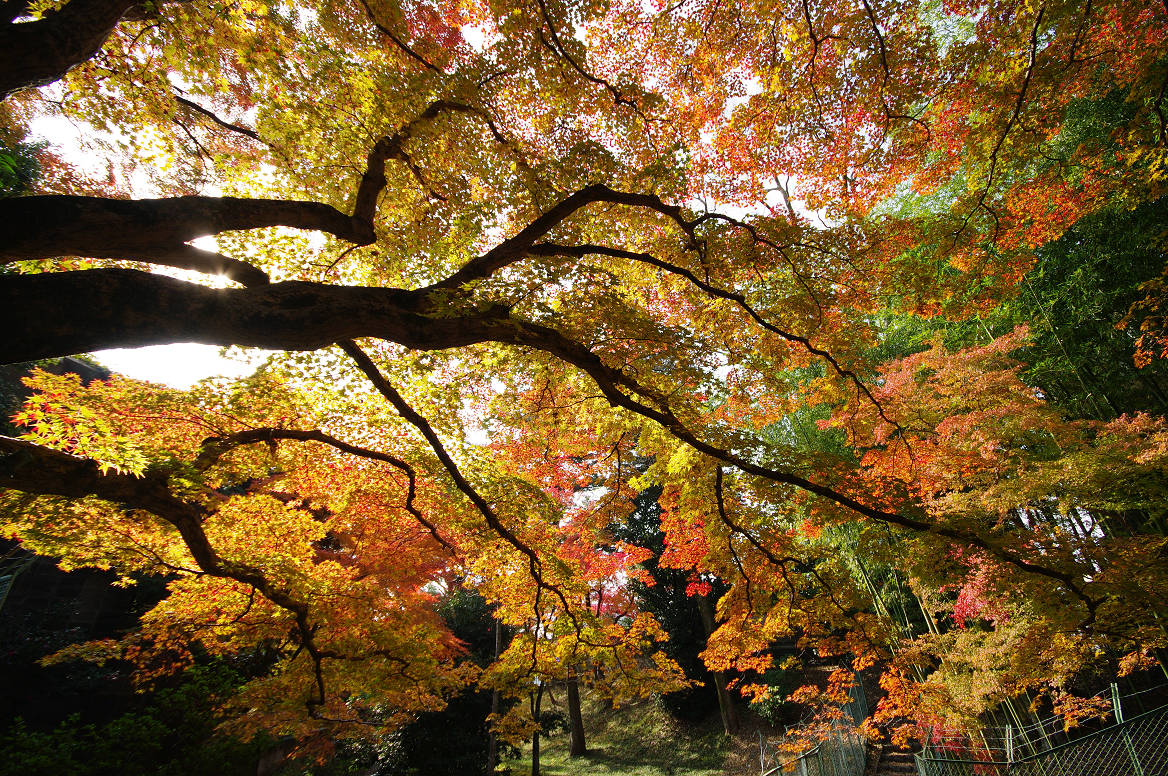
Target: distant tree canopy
(506,251)
(19,168)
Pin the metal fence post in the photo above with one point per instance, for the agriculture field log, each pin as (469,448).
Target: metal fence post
(1117,707)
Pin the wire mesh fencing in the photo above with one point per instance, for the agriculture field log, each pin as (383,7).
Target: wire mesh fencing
(843,752)
(840,750)
(1130,746)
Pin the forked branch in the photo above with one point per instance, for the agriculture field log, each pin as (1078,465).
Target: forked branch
(214,448)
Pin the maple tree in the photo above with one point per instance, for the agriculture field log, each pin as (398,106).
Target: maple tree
(596,235)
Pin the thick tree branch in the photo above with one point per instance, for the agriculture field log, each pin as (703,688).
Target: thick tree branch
(155,230)
(102,308)
(158,230)
(390,147)
(38,53)
(31,468)
(106,308)
(617,389)
(517,247)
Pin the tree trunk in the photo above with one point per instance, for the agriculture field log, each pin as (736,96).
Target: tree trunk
(725,701)
(577,746)
(492,739)
(536,701)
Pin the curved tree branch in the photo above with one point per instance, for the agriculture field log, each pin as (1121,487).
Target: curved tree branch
(552,249)
(215,447)
(398,402)
(215,119)
(40,52)
(106,308)
(34,469)
(514,248)
(158,230)
(397,41)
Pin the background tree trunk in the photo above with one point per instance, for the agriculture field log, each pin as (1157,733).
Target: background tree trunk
(536,702)
(492,739)
(725,701)
(577,745)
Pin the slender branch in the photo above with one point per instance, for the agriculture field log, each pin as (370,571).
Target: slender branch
(1019,101)
(1158,109)
(514,248)
(402,407)
(401,44)
(386,389)
(614,384)
(553,249)
(215,447)
(557,45)
(801,566)
(882,48)
(215,119)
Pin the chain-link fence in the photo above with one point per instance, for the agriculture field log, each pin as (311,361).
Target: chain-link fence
(841,751)
(1135,746)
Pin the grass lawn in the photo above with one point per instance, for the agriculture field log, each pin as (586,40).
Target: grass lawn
(644,740)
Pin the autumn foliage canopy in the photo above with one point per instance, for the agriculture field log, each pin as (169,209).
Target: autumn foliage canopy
(520,261)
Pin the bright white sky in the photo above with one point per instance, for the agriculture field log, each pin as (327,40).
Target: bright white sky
(179,365)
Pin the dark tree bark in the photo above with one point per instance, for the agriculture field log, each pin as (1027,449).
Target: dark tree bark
(40,52)
(65,313)
(725,701)
(74,312)
(157,230)
(577,746)
(536,703)
(493,738)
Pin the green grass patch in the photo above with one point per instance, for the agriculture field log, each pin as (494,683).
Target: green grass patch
(640,739)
